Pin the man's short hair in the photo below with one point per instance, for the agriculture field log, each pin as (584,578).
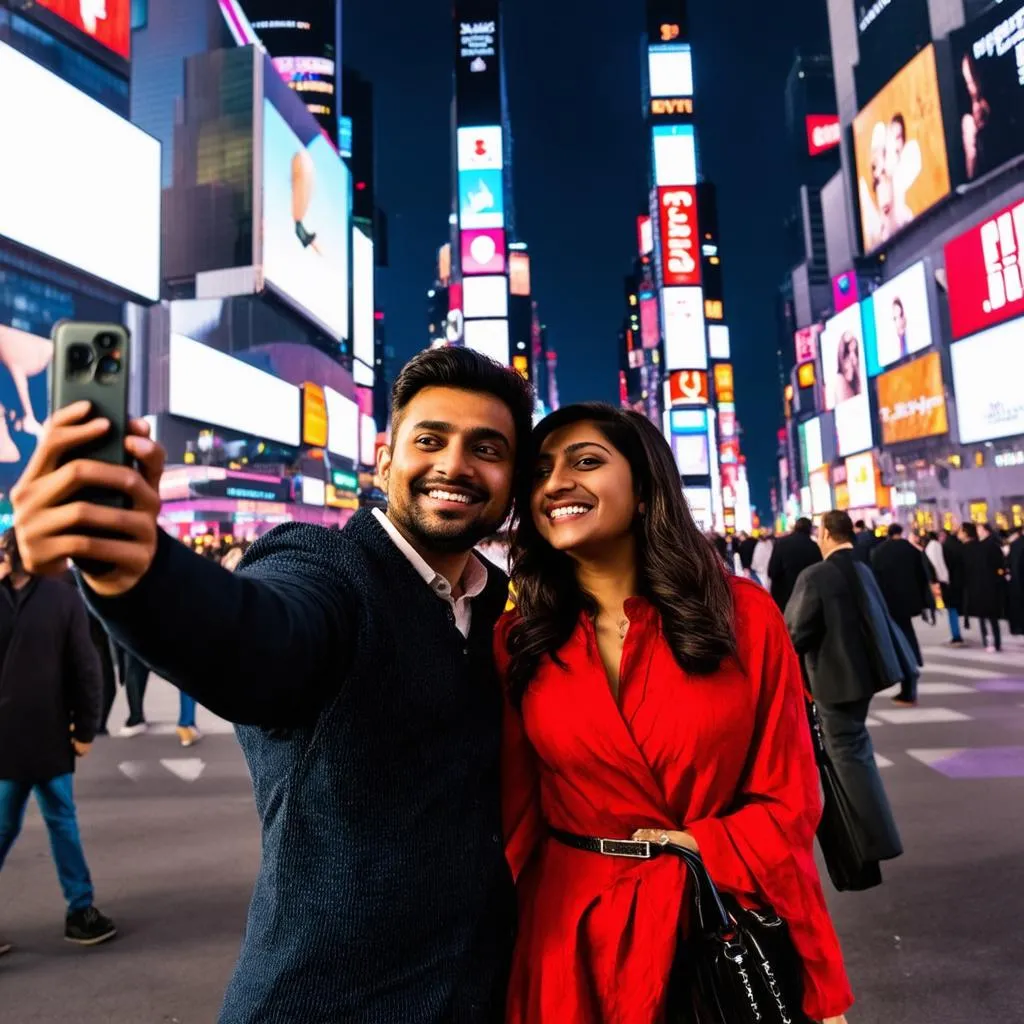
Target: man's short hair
(839,527)
(860,525)
(895,530)
(803,525)
(970,531)
(13,553)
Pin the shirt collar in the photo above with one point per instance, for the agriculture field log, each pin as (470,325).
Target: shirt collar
(474,577)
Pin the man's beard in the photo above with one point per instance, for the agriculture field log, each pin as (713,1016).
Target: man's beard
(436,533)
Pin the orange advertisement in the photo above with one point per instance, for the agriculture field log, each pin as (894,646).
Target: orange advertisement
(912,401)
(724,388)
(314,416)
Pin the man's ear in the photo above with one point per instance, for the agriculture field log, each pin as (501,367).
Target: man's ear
(384,463)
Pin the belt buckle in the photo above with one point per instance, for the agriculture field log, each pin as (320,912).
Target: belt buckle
(633,848)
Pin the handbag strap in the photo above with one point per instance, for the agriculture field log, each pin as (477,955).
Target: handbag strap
(712,916)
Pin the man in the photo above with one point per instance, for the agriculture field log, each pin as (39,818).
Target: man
(948,571)
(983,583)
(790,556)
(864,542)
(762,558)
(51,687)
(358,665)
(899,568)
(850,650)
(1015,562)
(745,546)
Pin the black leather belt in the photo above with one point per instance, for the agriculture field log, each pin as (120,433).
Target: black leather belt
(635,849)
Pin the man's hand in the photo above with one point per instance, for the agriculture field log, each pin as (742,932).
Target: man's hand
(50,529)
(81,749)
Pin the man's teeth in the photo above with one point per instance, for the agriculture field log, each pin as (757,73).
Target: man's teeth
(569,510)
(465,499)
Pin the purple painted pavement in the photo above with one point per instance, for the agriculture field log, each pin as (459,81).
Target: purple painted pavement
(982,763)
(1001,686)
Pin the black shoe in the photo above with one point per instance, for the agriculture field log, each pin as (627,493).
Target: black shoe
(88,927)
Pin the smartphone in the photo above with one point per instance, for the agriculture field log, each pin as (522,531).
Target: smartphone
(91,362)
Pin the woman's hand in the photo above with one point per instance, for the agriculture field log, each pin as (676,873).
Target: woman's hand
(834,1020)
(662,837)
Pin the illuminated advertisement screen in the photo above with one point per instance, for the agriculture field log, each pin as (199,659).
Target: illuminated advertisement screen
(699,500)
(477,66)
(718,342)
(900,324)
(912,401)
(483,252)
(675,155)
(861,481)
(670,69)
(100,216)
(724,383)
(479,149)
(519,273)
(650,329)
(645,235)
(823,133)
(889,33)
(987,373)
(306,197)
(314,492)
(900,152)
(367,440)
(680,236)
(481,199)
(989,59)
(811,450)
(342,425)
(213,388)
(805,375)
(688,387)
(314,415)
(842,358)
(683,318)
(693,454)
(485,297)
(488,337)
(109,22)
(688,421)
(984,273)
(806,343)
(23,395)
(845,291)
(362,298)
(821,492)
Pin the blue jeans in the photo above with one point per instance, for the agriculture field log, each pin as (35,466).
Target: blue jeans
(57,804)
(186,711)
(954,624)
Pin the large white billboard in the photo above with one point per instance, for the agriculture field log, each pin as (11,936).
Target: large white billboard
(685,344)
(342,425)
(988,379)
(362,298)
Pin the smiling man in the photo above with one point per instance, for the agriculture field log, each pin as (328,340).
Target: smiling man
(358,667)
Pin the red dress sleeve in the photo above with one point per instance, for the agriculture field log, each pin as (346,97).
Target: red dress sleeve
(765,848)
(522,822)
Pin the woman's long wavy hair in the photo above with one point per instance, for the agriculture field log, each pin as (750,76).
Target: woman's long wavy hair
(677,571)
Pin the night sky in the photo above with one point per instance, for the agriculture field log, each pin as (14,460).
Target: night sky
(580,170)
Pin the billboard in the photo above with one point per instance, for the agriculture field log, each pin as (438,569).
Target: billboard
(306,203)
(899,323)
(477,67)
(342,425)
(823,133)
(811,450)
(650,329)
(845,291)
(719,346)
(821,492)
(683,319)
(485,297)
(680,236)
(670,70)
(483,252)
(99,216)
(805,343)
(861,481)
(481,199)
(109,22)
(987,372)
(488,337)
(989,61)
(23,396)
(519,273)
(479,149)
(693,454)
(363,325)
(900,152)
(688,387)
(725,389)
(984,273)
(912,401)
(889,33)
(367,440)
(675,155)
(843,362)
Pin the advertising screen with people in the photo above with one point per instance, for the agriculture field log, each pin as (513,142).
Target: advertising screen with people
(988,58)
(900,321)
(843,365)
(912,401)
(24,361)
(900,150)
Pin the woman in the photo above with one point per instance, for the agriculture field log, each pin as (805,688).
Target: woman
(847,380)
(650,696)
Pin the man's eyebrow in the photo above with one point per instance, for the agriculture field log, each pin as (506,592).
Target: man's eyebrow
(474,434)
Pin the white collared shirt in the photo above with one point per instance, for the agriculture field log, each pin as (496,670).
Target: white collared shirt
(473,581)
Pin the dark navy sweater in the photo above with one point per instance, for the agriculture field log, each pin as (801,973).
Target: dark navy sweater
(371,728)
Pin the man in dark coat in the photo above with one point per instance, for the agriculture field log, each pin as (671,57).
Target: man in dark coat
(864,542)
(50,695)
(953,590)
(983,584)
(899,568)
(850,650)
(790,556)
(1016,583)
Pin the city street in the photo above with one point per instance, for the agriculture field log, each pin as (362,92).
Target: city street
(172,840)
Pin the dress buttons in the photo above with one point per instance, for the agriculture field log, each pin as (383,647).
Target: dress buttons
(495,838)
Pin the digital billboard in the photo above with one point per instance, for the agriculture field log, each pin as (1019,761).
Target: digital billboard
(912,401)
(854,431)
(693,454)
(479,149)
(485,297)
(889,33)
(985,276)
(483,252)
(861,481)
(688,387)
(23,397)
(821,492)
(99,216)
(845,291)
(987,372)
(519,273)
(675,155)
(670,69)
(212,387)
(314,415)
(481,199)
(683,319)
(489,338)
(989,58)
(805,343)
(363,324)
(811,450)
(823,133)
(680,236)
(477,66)
(342,425)
(843,362)
(306,202)
(719,346)
(900,152)
(367,440)
(109,22)
(900,323)
(650,329)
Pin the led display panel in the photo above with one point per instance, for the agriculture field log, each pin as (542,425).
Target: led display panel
(479,149)
(900,319)
(362,374)
(987,372)
(823,133)
(314,492)
(843,363)
(912,401)
(845,291)
(718,342)
(58,197)
(481,199)
(483,252)
(211,387)
(675,155)
(693,455)
(811,449)
(688,387)
(306,226)
(900,152)
(699,500)
(485,297)
(724,383)
(367,440)
(24,401)
(683,318)
(680,236)
(109,22)
(488,337)
(688,421)
(363,324)
(650,329)
(889,33)
(519,273)
(805,343)
(854,431)
(477,65)
(670,69)
(861,481)
(342,425)
(821,492)
(985,273)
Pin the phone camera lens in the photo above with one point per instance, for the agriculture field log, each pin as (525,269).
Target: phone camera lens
(80,357)
(109,366)
(106,341)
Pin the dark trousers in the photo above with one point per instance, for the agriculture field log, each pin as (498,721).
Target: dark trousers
(109,682)
(907,628)
(997,636)
(853,756)
(134,676)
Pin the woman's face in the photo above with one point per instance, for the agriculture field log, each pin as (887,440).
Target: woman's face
(583,495)
(851,360)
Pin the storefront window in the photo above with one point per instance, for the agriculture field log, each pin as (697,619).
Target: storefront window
(978,511)
(948,522)
(1002,521)
(1017,513)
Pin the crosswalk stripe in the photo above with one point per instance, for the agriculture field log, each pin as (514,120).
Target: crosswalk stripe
(922,716)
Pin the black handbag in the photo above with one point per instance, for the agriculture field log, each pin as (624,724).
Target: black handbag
(839,830)
(734,966)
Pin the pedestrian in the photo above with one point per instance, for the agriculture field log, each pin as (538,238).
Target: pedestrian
(745,548)
(762,558)
(135,678)
(359,668)
(790,556)
(52,690)
(653,699)
(903,579)
(865,542)
(983,585)
(918,541)
(1015,561)
(943,551)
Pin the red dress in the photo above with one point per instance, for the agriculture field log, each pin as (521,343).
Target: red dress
(727,757)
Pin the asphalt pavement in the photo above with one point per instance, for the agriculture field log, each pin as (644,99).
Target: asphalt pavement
(173,843)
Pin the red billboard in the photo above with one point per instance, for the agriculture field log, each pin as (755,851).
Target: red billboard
(806,343)
(823,133)
(688,387)
(109,22)
(680,239)
(650,329)
(984,273)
